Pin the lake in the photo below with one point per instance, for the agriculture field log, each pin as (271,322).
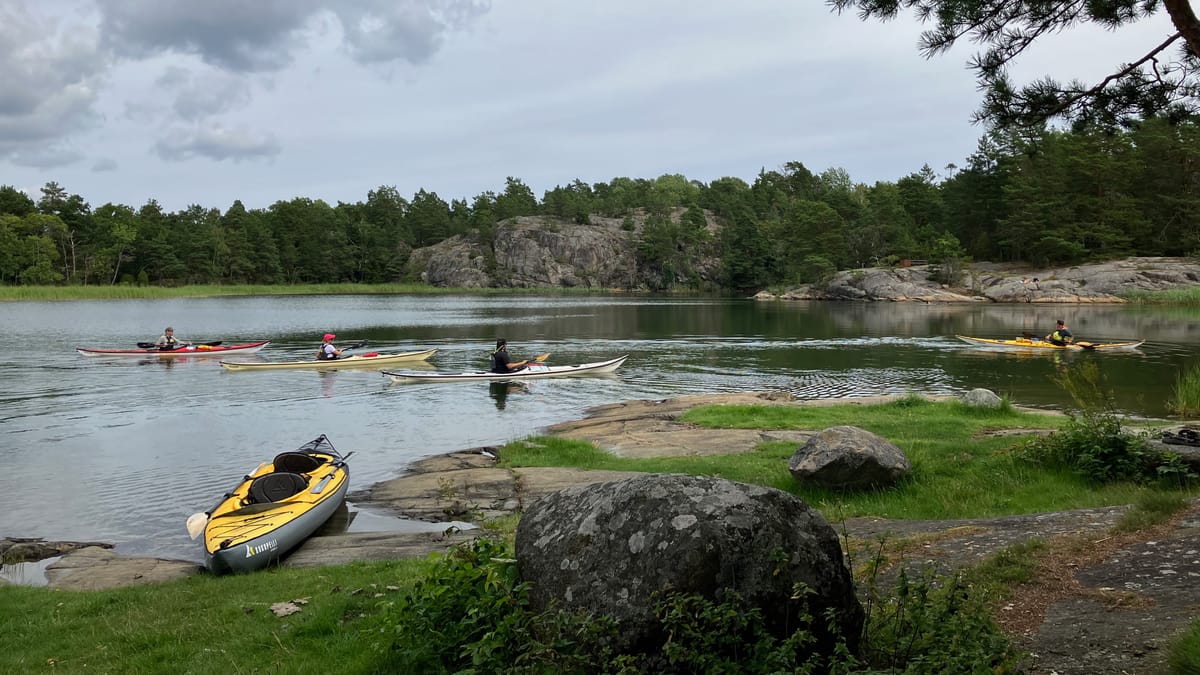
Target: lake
(124,449)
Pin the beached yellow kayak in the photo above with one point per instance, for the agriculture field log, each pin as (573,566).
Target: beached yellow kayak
(1038,343)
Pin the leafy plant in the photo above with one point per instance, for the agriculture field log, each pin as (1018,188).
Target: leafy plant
(1093,443)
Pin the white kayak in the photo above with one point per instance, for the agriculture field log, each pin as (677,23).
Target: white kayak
(357,361)
(532,372)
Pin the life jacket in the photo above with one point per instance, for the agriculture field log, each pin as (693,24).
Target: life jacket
(323,355)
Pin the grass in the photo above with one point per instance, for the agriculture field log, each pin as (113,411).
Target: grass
(1174,296)
(205,624)
(1186,399)
(1185,652)
(958,470)
(125,292)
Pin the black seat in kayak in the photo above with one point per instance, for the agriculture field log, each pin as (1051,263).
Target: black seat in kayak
(276,486)
(296,462)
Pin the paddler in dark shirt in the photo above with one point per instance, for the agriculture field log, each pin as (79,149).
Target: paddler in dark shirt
(502,361)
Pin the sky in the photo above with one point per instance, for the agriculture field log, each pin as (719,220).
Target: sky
(204,103)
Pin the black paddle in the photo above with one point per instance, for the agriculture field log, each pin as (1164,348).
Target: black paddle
(152,345)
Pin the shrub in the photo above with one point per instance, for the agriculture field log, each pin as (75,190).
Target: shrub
(472,615)
(1094,444)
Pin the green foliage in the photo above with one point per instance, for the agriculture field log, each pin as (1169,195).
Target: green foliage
(1094,444)
(933,624)
(1004,31)
(817,269)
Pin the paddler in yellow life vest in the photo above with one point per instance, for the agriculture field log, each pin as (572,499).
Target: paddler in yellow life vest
(1061,335)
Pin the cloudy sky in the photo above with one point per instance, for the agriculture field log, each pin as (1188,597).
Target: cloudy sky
(189,102)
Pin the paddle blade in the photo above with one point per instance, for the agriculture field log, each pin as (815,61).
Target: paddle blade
(543,357)
(196,523)
(1086,345)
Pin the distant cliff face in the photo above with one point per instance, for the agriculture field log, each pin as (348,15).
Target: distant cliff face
(548,252)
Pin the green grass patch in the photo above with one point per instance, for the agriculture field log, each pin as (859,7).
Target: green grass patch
(206,624)
(1173,296)
(124,292)
(959,470)
(1184,656)
(1186,396)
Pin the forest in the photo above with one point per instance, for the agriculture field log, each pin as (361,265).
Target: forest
(1046,197)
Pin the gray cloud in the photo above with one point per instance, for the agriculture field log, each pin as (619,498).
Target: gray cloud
(202,94)
(379,31)
(50,75)
(104,165)
(216,143)
(231,34)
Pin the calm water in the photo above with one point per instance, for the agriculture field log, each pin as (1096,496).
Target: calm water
(123,450)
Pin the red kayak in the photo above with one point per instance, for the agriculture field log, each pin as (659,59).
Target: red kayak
(203,349)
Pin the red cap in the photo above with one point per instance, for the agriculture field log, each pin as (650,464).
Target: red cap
(328,337)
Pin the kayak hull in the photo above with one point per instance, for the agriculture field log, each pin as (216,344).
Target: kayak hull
(255,525)
(532,373)
(193,351)
(1037,344)
(356,361)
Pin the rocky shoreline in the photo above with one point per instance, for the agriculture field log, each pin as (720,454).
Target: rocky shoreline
(1105,282)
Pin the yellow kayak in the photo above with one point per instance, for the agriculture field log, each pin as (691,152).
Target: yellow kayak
(274,509)
(370,360)
(1038,343)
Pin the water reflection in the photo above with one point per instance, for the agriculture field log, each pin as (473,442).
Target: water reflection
(500,390)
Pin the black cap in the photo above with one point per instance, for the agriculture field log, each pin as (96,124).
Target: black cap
(501,342)
(1060,322)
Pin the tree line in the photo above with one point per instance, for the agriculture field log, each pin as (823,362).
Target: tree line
(1045,196)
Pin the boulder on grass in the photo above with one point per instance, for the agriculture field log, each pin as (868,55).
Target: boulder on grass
(607,548)
(982,398)
(847,457)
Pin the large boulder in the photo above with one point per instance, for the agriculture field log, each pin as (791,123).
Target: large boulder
(608,548)
(982,398)
(847,457)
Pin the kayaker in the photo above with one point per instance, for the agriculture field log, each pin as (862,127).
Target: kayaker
(1061,335)
(502,361)
(328,352)
(167,340)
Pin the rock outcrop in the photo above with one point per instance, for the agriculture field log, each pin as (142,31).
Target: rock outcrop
(608,548)
(547,252)
(986,282)
(849,458)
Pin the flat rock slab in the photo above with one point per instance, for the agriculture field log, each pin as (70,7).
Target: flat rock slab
(338,549)
(95,568)
(476,494)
